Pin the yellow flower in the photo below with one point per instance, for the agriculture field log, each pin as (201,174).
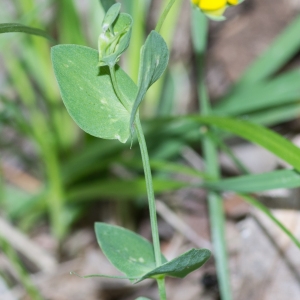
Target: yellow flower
(214,8)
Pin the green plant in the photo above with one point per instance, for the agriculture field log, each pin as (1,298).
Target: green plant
(116,117)
(104,102)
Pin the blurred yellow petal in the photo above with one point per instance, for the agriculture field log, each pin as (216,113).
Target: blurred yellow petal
(195,2)
(233,2)
(212,5)
(217,12)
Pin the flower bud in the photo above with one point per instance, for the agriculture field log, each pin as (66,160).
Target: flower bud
(115,36)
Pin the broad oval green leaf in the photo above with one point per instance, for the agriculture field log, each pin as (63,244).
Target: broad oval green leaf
(15,27)
(128,252)
(182,265)
(89,96)
(153,62)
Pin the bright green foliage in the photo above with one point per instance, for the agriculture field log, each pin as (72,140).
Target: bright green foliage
(153,62)
(115,36)
(127,251)
(88,94)
(182,265)
(14,27)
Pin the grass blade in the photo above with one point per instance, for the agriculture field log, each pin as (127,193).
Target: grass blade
(282,49)
(15,27)
(257,134)
(273,116)
(258,182)
(121,189)
(252,201)
(283,89)
(215,203)
(23,275)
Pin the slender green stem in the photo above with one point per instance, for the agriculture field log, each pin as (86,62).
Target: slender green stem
(149,184)
(147,169)
(150,192)
(119,94)
(162,289)
(215,203)
(164,15)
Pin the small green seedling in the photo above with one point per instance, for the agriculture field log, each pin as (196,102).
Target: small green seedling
(103,100)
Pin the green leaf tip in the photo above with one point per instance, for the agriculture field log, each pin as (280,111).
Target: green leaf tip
(180,266)
(115,36)
(153,63)
(106,4)
(110,17)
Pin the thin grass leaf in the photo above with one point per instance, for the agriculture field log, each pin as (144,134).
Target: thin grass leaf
(257,134)
(274,116)
(277,55)
(215,203)
(15,27)
(217,221)
(252,201)
(18,267)
(163,166)
(282,90)
(120,189)
(258,182)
